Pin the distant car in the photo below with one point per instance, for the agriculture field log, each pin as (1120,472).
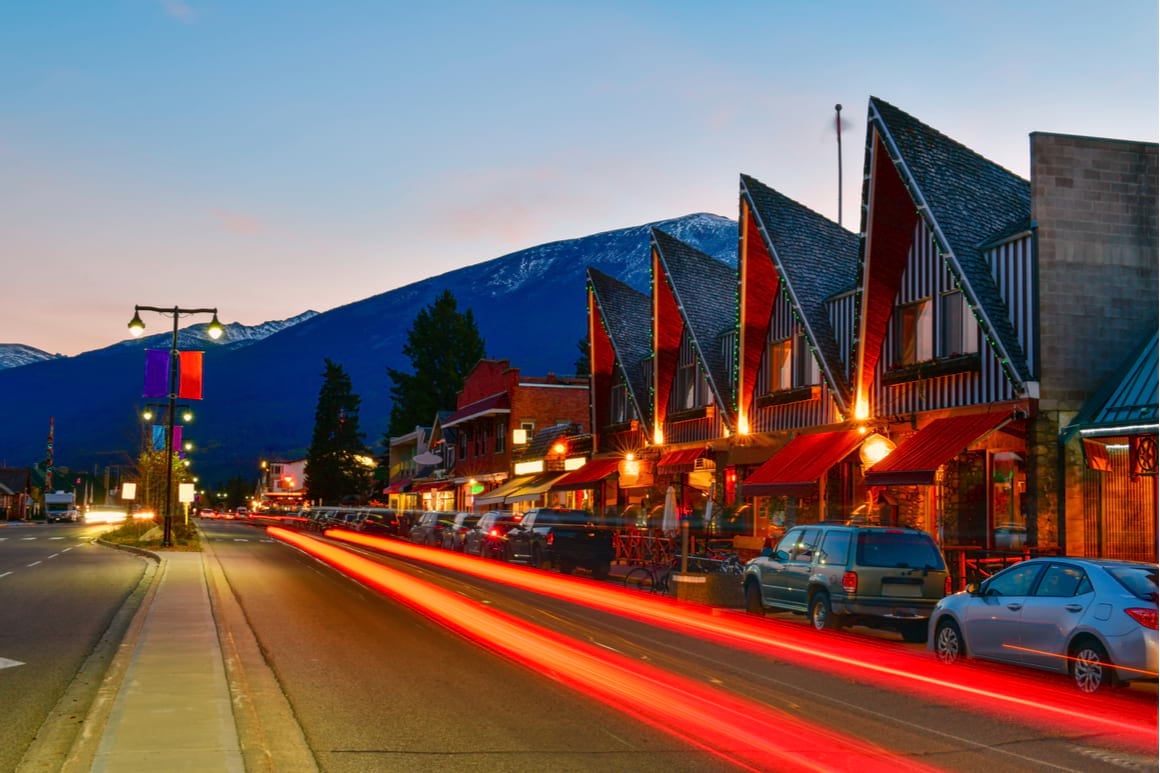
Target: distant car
(1094,619)
(207,513)
(455,534)
(880,576)
(381,523)
(428,530)
(489,537)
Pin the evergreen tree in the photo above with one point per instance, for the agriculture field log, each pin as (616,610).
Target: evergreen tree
(584,361)
(443,346)
(333,470)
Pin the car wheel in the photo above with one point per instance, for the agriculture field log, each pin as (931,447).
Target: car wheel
(507,553)
(916,632)
(537,559)
(753,603)
(948,642)
(567,567)
(822,617)
(639,578)
(1090,667)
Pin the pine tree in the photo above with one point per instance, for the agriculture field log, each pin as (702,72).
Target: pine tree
(584,361)
(333,469)
(443,346)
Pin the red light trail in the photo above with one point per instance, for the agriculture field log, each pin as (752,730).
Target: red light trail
(739,731)
(844,654)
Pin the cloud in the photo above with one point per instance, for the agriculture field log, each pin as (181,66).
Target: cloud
(179,10)
(239,223)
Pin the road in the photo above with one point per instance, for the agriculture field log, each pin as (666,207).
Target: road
(377,686)
(59,593)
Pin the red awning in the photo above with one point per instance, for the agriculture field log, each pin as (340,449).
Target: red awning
(398,487)
(432,485)
(1096,454)
(588,476)
(488,406)
(795,469)
(917,458)
(680,460)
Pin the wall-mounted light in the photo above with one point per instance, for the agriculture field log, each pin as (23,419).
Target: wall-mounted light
(875,448)
(519,437)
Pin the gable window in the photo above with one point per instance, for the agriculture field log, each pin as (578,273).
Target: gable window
(960,332)
(781,365)
(686,387)
(618,403)
(805,366)
(913,333)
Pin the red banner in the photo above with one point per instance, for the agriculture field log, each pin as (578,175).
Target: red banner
(189,378)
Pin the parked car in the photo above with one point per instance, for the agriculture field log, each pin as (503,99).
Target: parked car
(880,576)
(1091,618)
(428,530)
(456,533)
(489,537)
(379,522)
(564,538)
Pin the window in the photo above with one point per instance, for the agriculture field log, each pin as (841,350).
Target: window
(618,403)
(780,365)
(960,332)
(1016,581)
(804,549)
(686,386)
(912,333)
(1060,580)
(500,435)
(805,367)
(835,548)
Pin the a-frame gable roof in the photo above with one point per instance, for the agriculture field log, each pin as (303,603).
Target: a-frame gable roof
(816,259)
(705,290)
(967,201)
(1128,398)
(627,315)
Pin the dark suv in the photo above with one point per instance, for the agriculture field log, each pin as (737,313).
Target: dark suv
(881,576)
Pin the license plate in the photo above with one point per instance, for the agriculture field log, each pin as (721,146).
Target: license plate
(899,590)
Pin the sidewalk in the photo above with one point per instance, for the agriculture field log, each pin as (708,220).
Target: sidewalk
(172,709)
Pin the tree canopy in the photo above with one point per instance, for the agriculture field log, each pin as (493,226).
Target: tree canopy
(333,467)
(443,346)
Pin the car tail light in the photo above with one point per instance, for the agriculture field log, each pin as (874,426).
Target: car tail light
(1143,616)
(494,532)
(850,582)
(947,586)
(551,539)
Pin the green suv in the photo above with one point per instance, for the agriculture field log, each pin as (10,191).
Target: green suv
(880,576)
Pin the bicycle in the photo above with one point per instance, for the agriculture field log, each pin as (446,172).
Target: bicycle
(653,578)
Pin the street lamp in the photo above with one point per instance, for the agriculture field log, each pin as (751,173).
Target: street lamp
(136,327)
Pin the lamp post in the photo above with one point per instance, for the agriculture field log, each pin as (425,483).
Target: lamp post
(136,327)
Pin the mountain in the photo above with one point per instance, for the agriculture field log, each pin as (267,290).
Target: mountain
(15,355)
(260,397)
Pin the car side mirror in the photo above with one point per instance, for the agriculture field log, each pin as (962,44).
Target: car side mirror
(973,588)
(781,555)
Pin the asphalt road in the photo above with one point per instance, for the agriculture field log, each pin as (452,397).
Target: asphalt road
(376,686)
(59,591)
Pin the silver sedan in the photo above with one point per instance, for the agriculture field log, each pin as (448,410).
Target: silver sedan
(1092,618)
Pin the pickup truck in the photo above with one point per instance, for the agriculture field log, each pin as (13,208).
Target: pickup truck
(564,538)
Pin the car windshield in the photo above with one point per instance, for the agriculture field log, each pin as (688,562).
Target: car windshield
(898,549)
(1140,581)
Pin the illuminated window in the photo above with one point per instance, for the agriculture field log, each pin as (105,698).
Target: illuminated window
(912,333)
(960,332)
(781,365)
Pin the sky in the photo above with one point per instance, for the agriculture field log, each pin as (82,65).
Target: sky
(266,157)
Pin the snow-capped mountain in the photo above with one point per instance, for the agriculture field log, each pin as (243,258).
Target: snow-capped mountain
(260,392)
(235,335)
(15,355)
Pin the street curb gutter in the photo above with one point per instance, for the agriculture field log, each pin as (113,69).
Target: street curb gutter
(268,731)
(72,730)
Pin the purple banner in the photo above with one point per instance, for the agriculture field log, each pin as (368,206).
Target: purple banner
(159,438)
(156,373)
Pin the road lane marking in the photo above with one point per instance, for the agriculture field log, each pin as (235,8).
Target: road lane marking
(34,563)
(27,539)
(56,537)
(5,574)
(240,539)
(54,555)
(6,662)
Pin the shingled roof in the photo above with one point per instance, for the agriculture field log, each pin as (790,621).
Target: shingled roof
(627,315)
(968,202)
(816,258)
(705,289)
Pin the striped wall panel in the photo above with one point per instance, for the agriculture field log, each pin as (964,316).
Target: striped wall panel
(1012,266)
(842,311)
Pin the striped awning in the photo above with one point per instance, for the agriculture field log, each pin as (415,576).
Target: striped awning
(917,459)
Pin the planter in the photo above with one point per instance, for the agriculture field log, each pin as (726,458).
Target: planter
(715,590)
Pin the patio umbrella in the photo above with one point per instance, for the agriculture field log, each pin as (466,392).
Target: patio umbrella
(669,523)
(709,516)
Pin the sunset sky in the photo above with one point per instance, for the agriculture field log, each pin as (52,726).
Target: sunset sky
(272,157)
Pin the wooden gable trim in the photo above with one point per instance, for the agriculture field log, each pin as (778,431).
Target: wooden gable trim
(668,331)
(891,220)
(602,364)
(760,284)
